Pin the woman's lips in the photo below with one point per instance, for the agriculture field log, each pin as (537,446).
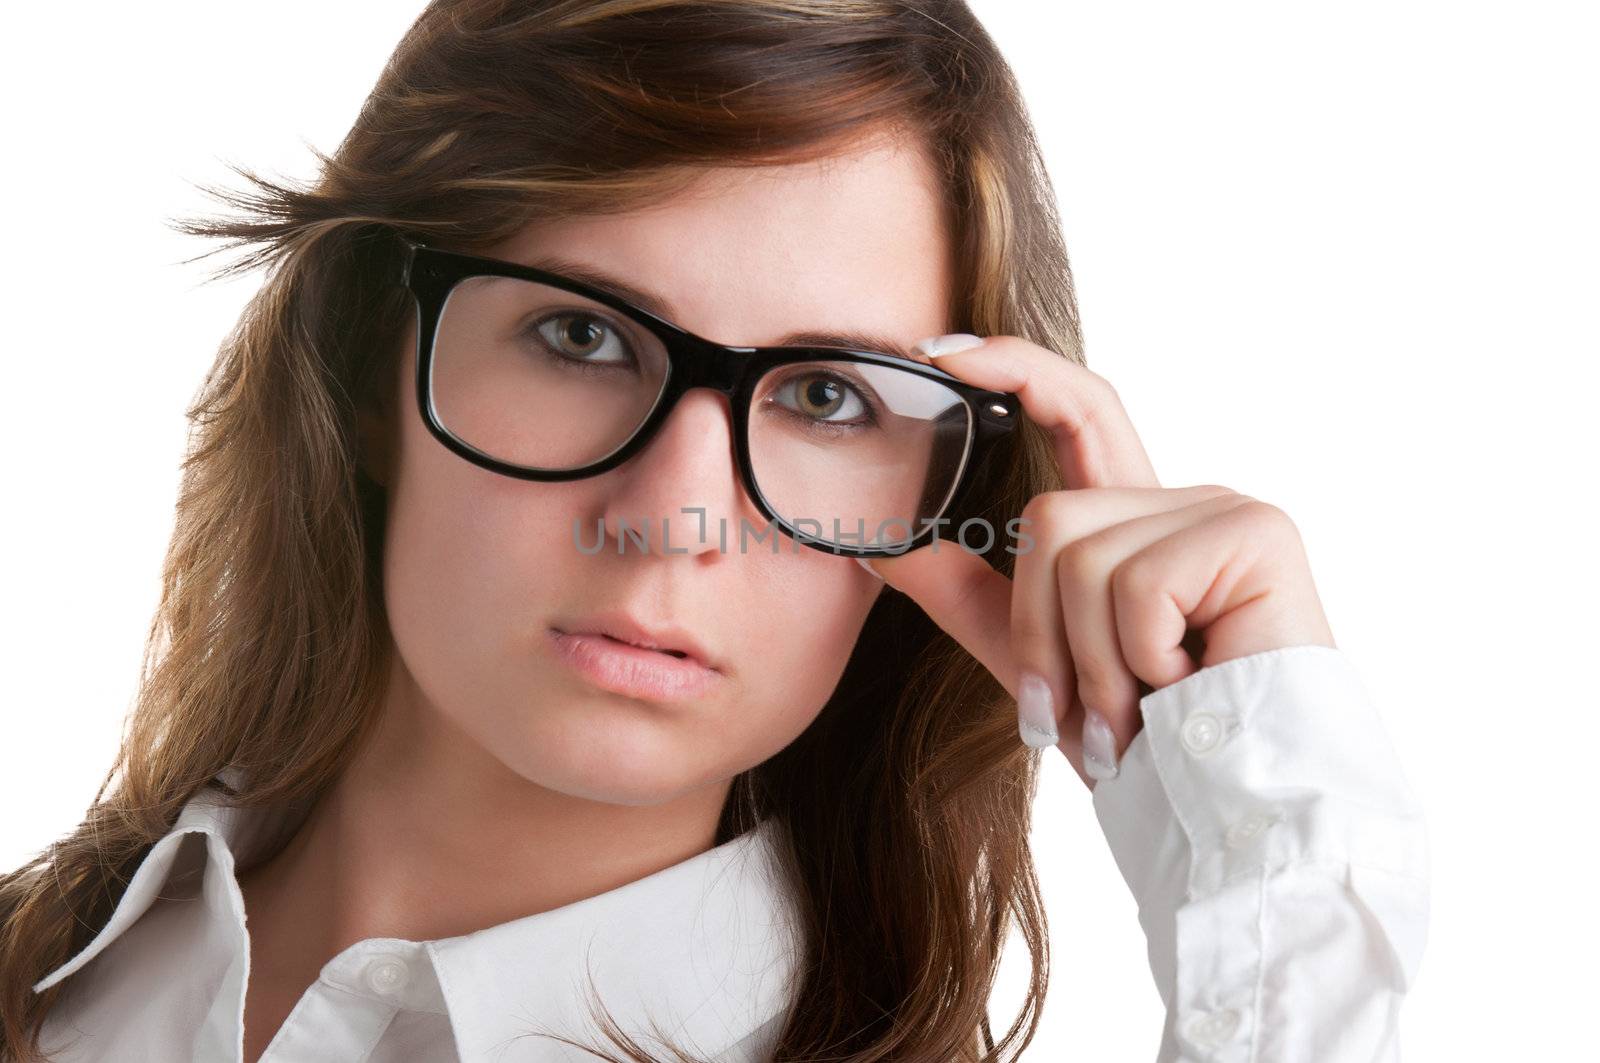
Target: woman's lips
(653,675)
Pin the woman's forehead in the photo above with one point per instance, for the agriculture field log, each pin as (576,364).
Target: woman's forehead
(856,242)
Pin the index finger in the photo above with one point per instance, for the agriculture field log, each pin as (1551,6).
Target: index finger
(1095,442)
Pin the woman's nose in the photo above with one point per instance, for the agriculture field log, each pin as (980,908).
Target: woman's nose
(681,494)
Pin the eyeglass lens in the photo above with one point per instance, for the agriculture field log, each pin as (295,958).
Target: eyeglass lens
(543,378)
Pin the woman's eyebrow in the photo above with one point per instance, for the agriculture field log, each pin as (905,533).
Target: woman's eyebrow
(596,278)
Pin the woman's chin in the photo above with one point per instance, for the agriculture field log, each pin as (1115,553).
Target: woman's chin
(598,753)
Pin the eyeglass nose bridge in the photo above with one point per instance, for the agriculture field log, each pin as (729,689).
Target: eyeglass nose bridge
(699,363)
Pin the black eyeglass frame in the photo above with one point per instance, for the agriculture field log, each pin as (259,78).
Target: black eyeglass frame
(693,361)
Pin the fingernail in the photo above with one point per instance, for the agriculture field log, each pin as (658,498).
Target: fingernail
(938,346)
(863,563)
(1036,714)
(1099,747)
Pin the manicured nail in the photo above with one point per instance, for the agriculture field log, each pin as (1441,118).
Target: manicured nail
(938,346)
(863,563)
(1099,747)
(1036,714)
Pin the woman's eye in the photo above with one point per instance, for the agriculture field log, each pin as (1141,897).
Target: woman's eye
(823,398)
(585,338)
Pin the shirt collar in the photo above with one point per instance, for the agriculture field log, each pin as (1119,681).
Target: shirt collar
(704,951)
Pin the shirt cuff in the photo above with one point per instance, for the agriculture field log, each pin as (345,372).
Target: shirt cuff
(1244,771)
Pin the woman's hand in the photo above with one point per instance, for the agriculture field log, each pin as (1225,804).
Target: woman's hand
(1118,571)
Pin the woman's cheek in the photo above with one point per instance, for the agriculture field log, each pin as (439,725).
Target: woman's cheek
(817,605)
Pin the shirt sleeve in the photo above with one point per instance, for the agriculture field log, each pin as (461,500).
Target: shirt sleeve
(1278,859)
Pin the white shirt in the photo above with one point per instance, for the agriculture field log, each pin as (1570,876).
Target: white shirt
(706,947)
(1260,817)
(1278,858)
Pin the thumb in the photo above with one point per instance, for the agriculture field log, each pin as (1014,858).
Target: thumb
(963,594)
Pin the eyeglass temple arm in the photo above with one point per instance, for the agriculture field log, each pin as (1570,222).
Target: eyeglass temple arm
(411,248)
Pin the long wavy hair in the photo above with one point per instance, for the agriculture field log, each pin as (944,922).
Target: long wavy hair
(906,804)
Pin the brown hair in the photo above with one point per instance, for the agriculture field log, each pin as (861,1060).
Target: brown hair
(907,802)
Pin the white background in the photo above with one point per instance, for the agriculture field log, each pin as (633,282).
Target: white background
(1338,257)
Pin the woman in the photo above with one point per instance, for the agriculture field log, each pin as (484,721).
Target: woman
(428,764)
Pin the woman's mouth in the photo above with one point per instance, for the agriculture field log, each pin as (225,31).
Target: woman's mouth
(623,668)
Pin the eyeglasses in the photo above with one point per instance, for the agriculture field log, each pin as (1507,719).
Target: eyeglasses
(538,376)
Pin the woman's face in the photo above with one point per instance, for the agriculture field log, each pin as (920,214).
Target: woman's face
(481,570)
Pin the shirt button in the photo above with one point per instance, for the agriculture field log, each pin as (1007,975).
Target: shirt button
(1240,833)
(387,975)
(1201,733)
(1213,1027)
